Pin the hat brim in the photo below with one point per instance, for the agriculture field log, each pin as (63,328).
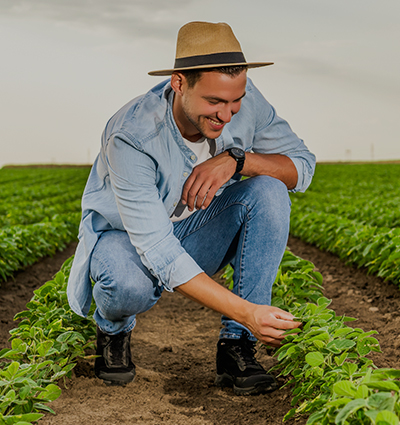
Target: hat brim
(166,72)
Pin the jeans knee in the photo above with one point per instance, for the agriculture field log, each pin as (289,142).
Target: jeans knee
(119,294)
(271,196)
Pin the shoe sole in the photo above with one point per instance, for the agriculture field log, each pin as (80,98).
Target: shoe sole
(225,380)
(116,379)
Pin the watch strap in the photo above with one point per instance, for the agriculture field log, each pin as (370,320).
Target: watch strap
(239,160)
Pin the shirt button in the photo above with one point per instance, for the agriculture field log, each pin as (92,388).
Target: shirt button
(175,204)
(185,174)
(192,157)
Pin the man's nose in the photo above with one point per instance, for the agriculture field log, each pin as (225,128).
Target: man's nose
(225,113)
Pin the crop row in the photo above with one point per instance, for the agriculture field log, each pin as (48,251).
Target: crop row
(353,211)
(39,214)
(39,184)
(44,349)
(373,210)
(367,193)
(21,246)
(331,378)
(29,212)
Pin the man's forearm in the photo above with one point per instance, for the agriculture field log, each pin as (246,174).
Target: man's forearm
(265,322)
(274,165)
(209,293)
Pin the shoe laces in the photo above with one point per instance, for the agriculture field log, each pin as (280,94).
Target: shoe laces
(246,349)
(117,350)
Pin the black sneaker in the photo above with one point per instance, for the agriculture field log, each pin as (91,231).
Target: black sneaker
(237,367)
(114,366)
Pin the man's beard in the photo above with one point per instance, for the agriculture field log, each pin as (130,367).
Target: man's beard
(196,124)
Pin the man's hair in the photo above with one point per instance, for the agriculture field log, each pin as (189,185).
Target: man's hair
(193,75)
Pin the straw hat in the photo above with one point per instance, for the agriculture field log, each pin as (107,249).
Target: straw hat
(203,45)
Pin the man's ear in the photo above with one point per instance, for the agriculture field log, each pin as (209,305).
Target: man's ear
(177,81)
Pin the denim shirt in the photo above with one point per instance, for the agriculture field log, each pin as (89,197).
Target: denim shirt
(136,181)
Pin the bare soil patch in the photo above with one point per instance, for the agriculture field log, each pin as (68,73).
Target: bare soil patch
(174,345)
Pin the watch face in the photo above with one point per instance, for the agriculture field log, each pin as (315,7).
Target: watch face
(238,153)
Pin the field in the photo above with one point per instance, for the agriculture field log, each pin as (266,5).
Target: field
(175,360)
(354,212)
(39,213)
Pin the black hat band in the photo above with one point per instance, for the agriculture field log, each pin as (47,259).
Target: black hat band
(211,59)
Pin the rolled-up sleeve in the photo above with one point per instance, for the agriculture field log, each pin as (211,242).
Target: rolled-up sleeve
(133,179)
(273,135)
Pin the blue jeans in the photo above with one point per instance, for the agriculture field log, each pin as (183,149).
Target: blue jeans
(247,226)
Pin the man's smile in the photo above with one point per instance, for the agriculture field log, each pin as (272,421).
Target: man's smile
(216,125)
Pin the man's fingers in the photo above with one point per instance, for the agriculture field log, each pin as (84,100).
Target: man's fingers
(272,342)
(208,197)
(186,187)
(197,193)
(202,195)
(192,194)
(284,320)
(282,314)
(284,324)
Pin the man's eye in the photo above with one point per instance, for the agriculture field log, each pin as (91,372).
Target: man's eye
(213,102)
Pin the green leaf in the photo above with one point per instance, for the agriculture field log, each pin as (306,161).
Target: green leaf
(340,345)
(314,358)
(10,396)
(339,402)
(59,278)
(289,414)
(349,368)
(282,352)
(362,392)
(344,388)
(383,385)
(322,301)
(386,418)
(342,332)
(24,391)
(43,407)
(52,392)
(349,409)
(13,368)
(372,414)
(44,347)
(316,417)
(45,289)
(319,344)
(24,418)
(381,401)
(321,336)
(349,319)
(365,346)
(340,360)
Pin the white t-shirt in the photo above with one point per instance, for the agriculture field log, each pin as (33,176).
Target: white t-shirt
(204,149)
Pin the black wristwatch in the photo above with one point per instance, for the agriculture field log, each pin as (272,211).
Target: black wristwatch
(239,156)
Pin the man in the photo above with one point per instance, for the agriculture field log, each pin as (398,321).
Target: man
(165,208)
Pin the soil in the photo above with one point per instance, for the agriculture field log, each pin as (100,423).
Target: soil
(173,347)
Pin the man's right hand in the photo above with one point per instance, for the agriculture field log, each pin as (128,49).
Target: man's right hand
(268,324)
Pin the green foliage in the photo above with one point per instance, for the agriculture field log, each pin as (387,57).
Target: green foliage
(325,360)
(322,353)
(353,211)
(44,346)
(39,213)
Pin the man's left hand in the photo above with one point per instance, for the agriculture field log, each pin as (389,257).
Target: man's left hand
(206,179)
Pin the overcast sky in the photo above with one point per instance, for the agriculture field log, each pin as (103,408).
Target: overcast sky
(67,66)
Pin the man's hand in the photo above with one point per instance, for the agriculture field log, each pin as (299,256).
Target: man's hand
(206,179)
(268,324)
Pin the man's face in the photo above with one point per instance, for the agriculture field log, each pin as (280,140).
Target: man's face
(203,110)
